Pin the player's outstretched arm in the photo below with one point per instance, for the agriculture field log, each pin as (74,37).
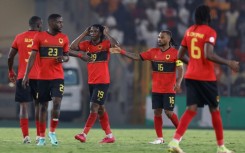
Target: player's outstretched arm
(117,49)
(210,55)
(25,81)
(75,44)
(82,55)
(12,74)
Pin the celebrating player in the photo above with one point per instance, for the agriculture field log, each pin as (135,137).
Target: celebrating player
(97,48)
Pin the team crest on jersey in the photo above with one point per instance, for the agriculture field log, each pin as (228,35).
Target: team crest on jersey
(100,46)
(167,56)
(60,40)
(217,98)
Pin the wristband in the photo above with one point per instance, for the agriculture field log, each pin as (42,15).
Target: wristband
(11,73)
(123,52)
(80,55)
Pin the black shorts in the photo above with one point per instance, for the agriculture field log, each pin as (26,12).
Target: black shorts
(98,93)
(202,93)
(165,101)
(28,94)
(50,88)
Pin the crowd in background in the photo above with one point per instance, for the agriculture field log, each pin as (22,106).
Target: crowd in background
(138,22)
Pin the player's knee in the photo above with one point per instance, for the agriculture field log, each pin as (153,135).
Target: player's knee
(94,108)
(168,113)
(101,110)
(158,112)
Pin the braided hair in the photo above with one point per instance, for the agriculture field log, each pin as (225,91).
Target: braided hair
(202,15)
(172,42)
(101,30)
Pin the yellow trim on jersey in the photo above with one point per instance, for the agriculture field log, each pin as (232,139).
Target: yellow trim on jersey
(179,63)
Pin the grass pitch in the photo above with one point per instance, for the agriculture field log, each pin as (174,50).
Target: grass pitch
(127,141)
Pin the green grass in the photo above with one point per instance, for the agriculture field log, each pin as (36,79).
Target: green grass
(127,141)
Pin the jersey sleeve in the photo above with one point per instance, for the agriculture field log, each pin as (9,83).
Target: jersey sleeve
(183,42)
(66,45)
(211,37)
(15,44)
(147,55)
(83,46)
(108,45)
(35,45)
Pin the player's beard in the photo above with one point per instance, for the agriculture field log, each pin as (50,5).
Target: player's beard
(58,29)
(160,44)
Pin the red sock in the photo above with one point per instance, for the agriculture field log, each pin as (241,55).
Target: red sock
(158,126)
(218,128)
(175,120)
(183,124)
(38,127)
(105,124)
(53,124)
(42,128)
(90,122)
(24,126)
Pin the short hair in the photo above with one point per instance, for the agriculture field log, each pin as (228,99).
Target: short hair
(53,17)
(202,15)
(34,20)
(101,30)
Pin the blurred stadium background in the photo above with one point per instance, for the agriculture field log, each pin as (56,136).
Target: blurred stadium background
(135,24)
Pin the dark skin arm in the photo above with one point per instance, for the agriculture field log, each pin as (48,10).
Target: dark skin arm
(25,81)
(75,44)
(182,55)
(117,50)
(210,55)
(12,75)
(180,74)
(62,59)
(112,40)
(83,56)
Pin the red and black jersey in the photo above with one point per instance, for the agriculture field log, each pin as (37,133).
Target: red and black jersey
(49,48)
(163,68)
(23,43)
(98,70)
(199,67)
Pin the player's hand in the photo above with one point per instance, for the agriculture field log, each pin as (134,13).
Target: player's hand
(115,50)
(59,59)
(12,76)
(84,57)
(86,31)
(106,30)
(234,65)
(91,58)
(25,82)
(177,88)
